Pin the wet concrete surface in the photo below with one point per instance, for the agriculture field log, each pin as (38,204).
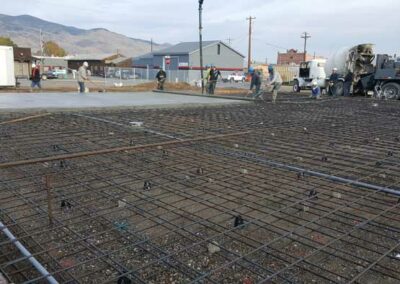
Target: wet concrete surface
(100,100)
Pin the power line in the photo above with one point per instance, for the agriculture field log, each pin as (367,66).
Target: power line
(271,44)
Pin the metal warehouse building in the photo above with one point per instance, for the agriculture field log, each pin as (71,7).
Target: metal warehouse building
(183,60)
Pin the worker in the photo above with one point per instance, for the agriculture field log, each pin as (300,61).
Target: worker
(332,81)
(275,80)
(83,76)
(161,78)
(348,82)
(207,79)
(35,76)
(315,91)
(213,78)
(255,82)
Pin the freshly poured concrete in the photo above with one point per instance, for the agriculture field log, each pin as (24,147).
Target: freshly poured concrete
(99,100)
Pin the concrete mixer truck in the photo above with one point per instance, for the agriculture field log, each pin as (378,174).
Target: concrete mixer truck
(372,74)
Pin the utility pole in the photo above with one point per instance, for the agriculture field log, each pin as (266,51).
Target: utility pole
(306,36)
(201,45)
(151,45)
(41,50)
(250,19)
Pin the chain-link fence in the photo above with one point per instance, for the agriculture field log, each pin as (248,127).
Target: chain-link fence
(134,76)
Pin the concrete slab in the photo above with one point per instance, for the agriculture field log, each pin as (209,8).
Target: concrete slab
(100,100)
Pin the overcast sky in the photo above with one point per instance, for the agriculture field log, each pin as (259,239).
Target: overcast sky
(279,24)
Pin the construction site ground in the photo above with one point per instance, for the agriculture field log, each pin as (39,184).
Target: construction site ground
(301,191)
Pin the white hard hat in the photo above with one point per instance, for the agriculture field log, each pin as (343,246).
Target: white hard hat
(334,69)
(314,83)
(33,65)
(85,64)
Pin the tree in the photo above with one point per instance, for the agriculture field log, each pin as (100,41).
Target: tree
(7,41)
(50,48)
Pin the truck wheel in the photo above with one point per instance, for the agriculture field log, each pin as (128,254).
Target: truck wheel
(338,88)
(391,91)
(296,87)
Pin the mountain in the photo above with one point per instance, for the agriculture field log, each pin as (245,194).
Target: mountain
(24,30)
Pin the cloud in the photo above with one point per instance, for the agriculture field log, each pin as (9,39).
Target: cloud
(279,24)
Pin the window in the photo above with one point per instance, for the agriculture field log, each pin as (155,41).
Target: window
(219,49)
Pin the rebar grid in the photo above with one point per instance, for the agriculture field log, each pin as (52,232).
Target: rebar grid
(208,211)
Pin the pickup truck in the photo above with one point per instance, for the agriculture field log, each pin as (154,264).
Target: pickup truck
(234,77)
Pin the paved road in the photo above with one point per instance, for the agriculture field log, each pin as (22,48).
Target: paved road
(70,82)
(100,100)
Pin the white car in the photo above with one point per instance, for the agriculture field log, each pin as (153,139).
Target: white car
(235,77)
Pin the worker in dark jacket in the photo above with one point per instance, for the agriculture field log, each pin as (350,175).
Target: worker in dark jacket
(213,78)
(255,82)
(161,77)
(348,81)
(332,81)
(35,76)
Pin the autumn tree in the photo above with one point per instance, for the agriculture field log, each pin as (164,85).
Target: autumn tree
(50,48)
(7,41)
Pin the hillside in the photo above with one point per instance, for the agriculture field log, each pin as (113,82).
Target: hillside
(24,31)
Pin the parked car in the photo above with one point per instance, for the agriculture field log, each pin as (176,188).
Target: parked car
(98,73)
(49,75)
(125,74)
(235,77)
(60,73)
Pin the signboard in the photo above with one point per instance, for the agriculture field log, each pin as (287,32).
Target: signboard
(167,60)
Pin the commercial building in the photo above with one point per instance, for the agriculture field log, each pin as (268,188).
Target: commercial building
(185,57)
(293,57)
(51,63)
(97,62)
(22,62)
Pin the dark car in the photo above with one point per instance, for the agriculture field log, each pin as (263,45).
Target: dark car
(49,75)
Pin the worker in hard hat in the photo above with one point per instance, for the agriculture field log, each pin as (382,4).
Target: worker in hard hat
(332,81)
(212,79)
(275,80)
(348,82)
(161,77)
(35,76)
(255,83)
(207,79)
(315,91)
(83,76)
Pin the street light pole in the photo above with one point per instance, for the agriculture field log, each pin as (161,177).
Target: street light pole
(201,45)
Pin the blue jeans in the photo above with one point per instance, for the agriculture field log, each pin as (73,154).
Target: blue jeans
(81,87)
(36,83)
(258,92)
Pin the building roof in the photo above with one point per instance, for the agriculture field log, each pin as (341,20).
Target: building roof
(190,47)
(99,56)
(184,47)
(22,54)
(145,56)
(118,60)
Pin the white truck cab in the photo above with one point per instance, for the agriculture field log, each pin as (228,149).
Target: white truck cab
(310,71)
